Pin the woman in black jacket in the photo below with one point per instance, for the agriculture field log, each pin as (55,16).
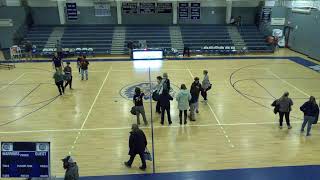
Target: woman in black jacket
(311,111)
(137,144)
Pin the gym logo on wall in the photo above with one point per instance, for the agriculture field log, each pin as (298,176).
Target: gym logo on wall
(127,92)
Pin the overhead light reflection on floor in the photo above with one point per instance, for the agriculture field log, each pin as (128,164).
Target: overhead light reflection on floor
(144,64)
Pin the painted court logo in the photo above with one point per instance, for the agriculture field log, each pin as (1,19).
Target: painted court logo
(128,91)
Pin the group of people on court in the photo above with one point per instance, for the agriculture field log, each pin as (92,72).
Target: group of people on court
(187,99)
(63,75)
(310,110)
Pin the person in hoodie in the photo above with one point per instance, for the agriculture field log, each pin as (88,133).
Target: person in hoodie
(310,110)
(71,167)
(183,98)
(284,104)
(165,99)
(195,92)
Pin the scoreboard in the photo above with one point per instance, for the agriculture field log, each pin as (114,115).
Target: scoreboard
(25,159)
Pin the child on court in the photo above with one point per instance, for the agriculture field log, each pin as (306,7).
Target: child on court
(58,79)
(68,75)
(138,103)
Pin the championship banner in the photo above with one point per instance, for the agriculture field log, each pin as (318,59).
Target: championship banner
(72,12)
(183,10)
(102,9)
(195,11)
(147,8)
(164,8)
(130,8)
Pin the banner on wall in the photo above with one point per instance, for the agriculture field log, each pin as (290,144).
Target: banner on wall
(183,10)
(278,21)
(164,8)
(266,14)
(102,9)
(195,11)
(72,12)
(147,8)
(130,8)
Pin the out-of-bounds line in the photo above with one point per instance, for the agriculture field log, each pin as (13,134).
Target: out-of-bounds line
(90,110)
(275,75)
(28,94)
(156,127)
(214,114)
(10,83)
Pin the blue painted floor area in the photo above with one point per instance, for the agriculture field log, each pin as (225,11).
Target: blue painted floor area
(310,172)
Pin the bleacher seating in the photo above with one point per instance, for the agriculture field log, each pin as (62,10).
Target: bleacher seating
(92,39)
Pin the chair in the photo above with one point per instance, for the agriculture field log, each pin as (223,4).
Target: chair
(15,52)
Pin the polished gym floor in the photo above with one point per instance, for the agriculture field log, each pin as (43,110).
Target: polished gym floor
(236,129)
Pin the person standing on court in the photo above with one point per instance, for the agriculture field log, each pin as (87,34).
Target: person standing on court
(59,78)
(310,110)
(165,84)
(59,49)
(159,79)
(165,99)
(195,92)
(84,63)
(79,59)
(183,97)
(137,145)
(71,167)
(57,62)
(68,75)
(206,85)
(28,50)
(284,104)
(138,103)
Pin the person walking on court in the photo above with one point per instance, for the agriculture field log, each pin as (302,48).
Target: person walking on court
(71,167)
(59,49)
(79,59)
(165,99)
(68,75)
(138,103)
(57,62)
(137,145)
(165,84)
(206,85)
(58,78)
(195,92)
(183,98)
(159,79)
(310,110)
(284,104)
(84,63)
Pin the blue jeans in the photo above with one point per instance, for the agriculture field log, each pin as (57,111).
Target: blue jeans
(84,72)
(309,120)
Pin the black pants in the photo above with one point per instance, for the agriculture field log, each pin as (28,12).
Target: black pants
(186,51)
(204,93)
(158,108)
(287,116)
(143,161)
(69,82)
(60,87)
(163,109)
(185,113)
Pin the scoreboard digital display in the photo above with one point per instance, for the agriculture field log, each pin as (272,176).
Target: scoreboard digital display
(25,159)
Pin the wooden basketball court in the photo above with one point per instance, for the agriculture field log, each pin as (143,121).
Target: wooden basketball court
(235,129)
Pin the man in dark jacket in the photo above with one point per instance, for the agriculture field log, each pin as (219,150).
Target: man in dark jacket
(310,110)
(165,99)
(195,92)
(71,167)
(137,145)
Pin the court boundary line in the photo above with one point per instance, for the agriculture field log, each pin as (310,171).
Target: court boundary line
(214,114)
(10,83)
(90,109)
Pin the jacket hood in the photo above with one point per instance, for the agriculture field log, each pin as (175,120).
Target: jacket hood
(185,91)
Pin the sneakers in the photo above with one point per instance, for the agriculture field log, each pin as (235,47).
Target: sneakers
(280,127)
(197,111)
(289,127)
(142,168)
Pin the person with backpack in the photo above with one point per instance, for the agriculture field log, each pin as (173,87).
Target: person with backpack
(195,92)
(165,99)
(310,110)
(183,97)
(284,104)
(206,85)
(139,108)
(137,145)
